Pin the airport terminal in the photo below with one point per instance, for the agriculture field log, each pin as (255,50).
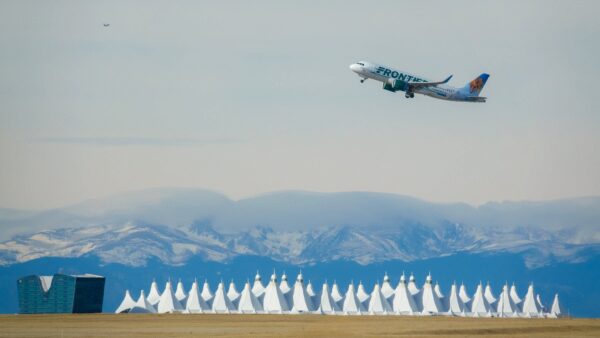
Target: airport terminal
(279,297)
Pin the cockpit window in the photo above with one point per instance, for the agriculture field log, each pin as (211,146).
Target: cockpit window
(360,63)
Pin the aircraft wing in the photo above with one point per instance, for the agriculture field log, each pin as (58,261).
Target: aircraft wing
(418,85)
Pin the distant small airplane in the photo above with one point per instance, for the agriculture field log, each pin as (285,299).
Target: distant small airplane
(106,24)
(395,80)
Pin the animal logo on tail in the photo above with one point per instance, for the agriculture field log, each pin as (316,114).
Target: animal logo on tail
(476,85)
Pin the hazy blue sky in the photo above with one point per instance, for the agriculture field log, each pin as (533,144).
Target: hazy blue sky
(246,97)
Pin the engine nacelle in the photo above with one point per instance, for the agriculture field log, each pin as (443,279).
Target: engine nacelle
(394,85)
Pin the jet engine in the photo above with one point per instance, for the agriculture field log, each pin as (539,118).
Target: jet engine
(394,85)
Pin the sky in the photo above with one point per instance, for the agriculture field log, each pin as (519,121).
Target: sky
(251,97)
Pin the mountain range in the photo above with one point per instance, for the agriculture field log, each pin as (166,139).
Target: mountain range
(160,233)
(299,227)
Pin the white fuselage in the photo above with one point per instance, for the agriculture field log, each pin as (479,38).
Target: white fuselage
(381,73)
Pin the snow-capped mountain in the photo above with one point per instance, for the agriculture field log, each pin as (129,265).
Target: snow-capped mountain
(135,243)
(300,228)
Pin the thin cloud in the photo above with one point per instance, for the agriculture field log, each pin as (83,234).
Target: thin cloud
(134,141)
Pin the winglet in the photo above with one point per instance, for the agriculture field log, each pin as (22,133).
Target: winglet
(448,79)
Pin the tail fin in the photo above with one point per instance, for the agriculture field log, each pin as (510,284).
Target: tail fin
(475,86)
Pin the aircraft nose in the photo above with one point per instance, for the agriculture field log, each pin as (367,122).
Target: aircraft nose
(355,68)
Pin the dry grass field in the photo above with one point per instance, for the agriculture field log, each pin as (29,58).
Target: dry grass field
(108,325)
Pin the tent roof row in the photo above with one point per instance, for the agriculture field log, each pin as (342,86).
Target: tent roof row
(405,298)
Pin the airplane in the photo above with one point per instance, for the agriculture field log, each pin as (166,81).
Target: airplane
(395,80)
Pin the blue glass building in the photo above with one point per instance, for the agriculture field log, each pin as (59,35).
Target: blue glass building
(61,293)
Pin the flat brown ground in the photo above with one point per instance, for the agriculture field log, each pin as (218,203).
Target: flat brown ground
(130,325)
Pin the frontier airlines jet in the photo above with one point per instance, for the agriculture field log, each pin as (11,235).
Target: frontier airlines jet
(395,80)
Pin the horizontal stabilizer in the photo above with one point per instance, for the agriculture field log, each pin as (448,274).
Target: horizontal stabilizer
(476,98)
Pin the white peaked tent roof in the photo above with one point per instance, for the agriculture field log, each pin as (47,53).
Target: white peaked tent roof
(284,286)
(556,308)
(351,303)
(530,306)
(412,285)
(455,303)
(539,303)
(464,296)
(232,292)
(327,304)
(301,301)
(180,293)
(378,303)
(258,288)
(386,287)
(248,303)
(126,304)
(489,295)
(515,295)
(335,293)
(438,291)
(479,305)
(505,306)
(362,295)
(206,294)
(195,303)
(154,295)
(443,299)
(142,305)
(403,301)
(168,303)
(309,289)
(430,301)
(274,301)
(221,303)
